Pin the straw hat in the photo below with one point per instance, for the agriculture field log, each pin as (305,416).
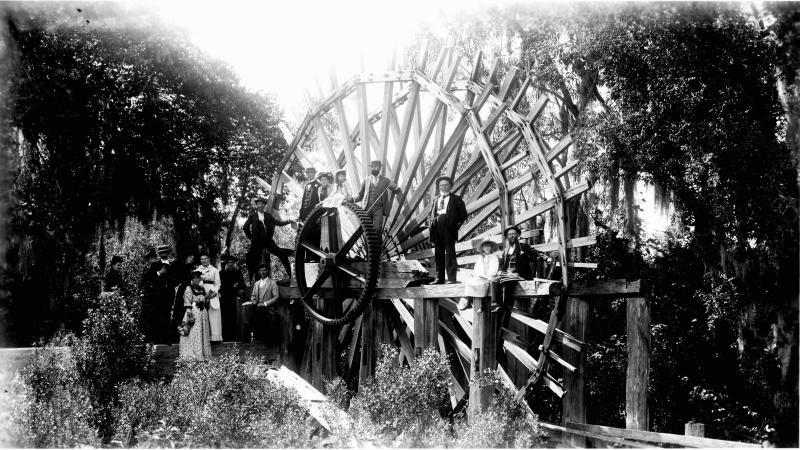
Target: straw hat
(478,245)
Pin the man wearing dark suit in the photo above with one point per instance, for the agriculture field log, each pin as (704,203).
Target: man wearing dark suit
(260,228)
(255,230)
(448,213)
(310,194)
(159,282)
(516,260)
(375,193)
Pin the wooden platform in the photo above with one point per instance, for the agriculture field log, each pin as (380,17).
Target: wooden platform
(166,355)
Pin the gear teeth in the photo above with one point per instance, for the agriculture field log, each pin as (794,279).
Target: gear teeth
(373,272)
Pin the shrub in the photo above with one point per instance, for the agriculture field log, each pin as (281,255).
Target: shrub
(110,352)
(220,403)
(506,422)
(402,404)
(49,406)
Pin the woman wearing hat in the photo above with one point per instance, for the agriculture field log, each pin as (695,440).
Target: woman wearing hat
(195,329)
(483,273)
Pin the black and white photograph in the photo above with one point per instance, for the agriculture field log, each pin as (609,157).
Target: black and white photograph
(399,224)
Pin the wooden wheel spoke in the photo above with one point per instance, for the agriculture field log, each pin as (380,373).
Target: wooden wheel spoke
(349,244)
(352,273)
(313,249)
(321,278)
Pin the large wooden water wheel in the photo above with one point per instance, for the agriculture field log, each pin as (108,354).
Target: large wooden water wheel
(431,117)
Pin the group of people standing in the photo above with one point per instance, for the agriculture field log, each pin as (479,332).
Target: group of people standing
(204,303)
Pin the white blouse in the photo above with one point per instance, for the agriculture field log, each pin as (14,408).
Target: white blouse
(487,266)
(211,274)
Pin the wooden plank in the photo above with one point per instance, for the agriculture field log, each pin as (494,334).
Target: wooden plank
(353,176)
(529,362)
(408,121)
(426,323)
(599,437)
(484,355)
(526,289)
(573,404)
(368,360)
(351,352)
(565,170)
(366,127)
(325,143)
(562,145)
(541,326)
(659,438)
(638,370)
(406,347)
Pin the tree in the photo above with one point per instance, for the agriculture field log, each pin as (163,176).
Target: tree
(116,118)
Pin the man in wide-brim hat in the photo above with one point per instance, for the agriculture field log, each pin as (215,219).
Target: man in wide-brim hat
(515,262)
(159,282)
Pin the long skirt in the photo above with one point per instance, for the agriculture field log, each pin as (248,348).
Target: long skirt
(215,319)
(197,345)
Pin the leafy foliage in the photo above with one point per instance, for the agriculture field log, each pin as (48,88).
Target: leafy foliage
(220,403)
(49,405)
(116,118)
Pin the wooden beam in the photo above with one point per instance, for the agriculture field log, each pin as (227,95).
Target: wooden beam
(526,289)
(426,323)
(638,371)
(659,438)
(574,406)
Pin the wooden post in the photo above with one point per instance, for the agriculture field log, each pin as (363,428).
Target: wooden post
(366,366)
(576,315)
(426,324)
(323,339)
(484,355)
(696,429)
(638,342)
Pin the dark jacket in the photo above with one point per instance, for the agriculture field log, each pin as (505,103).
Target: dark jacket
(383,184)
(526,256)
(455,215)
(159,288)
(114,280)
(310,198)
(261,232)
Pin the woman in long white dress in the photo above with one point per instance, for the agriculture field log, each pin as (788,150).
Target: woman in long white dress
(484,271)
(212,282)
(195,329)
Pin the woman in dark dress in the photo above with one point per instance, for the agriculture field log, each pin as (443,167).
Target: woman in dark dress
(231,291)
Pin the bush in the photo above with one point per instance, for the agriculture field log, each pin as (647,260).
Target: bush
(112,351)
(506,422)
(49,406)
(220,403)
(401,405)
(68,393)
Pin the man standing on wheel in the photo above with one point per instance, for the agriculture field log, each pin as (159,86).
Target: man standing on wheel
(375,191)
(448,213)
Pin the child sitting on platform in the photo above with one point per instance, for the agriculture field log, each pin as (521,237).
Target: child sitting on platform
(483,273)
